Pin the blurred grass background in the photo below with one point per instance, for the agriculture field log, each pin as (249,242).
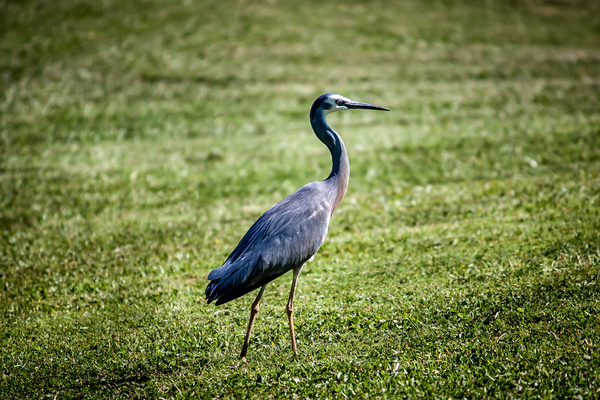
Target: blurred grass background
(139,140)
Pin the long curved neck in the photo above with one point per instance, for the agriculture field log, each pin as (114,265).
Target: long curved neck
(340,170)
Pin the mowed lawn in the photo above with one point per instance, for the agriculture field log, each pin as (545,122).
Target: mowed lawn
(139,141)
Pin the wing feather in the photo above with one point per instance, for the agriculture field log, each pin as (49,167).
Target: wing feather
(283,238)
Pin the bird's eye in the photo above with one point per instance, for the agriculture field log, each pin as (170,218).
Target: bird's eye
(339,102)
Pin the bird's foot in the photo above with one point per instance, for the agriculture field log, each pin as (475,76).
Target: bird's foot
(241,363)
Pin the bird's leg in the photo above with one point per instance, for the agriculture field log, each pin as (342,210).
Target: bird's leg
(290,307)
(253,312)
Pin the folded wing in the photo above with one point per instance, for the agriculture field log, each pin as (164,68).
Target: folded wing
(283,238)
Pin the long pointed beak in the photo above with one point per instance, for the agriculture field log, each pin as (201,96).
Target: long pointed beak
(364,106)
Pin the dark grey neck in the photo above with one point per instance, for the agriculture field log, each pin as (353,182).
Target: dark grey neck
(340,170)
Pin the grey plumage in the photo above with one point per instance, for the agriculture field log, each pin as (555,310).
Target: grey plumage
(283,238)
(291,231)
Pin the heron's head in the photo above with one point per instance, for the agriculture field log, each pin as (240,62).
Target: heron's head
(331,102)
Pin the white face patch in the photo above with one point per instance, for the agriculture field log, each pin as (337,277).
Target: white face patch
(334,105)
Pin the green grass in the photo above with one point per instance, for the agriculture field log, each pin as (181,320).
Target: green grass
(139,140)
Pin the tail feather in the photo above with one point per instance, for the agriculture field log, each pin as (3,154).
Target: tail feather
(230,276)
(234,280)
(225,283)
(242,290)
